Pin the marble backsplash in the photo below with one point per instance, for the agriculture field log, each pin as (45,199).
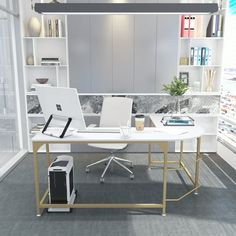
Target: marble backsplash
(92,104)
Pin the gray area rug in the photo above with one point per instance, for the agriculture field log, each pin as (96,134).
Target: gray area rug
(212,212)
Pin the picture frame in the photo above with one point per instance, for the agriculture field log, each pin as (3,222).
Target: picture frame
(184,76)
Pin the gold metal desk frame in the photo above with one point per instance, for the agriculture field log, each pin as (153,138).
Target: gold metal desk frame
(41,202)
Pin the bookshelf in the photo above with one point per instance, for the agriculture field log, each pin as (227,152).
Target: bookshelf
(50,43)
(200,60)
(200,56)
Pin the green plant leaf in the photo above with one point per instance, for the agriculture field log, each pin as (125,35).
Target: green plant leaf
(176,88)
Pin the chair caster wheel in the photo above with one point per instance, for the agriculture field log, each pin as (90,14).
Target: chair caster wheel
(131,176)
(102,180)
(87,170)
(131,166)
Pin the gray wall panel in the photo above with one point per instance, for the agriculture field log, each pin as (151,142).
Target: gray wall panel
(145,54)
(79,52)
(167,49)
(101,53)
(123,53)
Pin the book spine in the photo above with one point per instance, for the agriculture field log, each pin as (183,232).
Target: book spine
(56,28)
(49,28)
(60,28)
(53,28)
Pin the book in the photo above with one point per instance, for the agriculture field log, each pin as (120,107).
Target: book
(49,28)
(219,32)
(60,34)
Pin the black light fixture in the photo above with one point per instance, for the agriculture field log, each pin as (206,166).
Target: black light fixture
(125,8)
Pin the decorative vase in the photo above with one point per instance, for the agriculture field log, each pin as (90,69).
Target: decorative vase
(210,75)
(177,105)
(30,60)
(34,27)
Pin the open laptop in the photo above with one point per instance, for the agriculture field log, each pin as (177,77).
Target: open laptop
(64,103)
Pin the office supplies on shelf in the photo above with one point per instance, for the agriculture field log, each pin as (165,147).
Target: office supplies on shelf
(177,121)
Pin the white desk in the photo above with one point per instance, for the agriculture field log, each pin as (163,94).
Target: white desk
(148,136)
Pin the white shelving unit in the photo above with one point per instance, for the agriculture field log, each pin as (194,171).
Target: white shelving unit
(42,47)
(197,78)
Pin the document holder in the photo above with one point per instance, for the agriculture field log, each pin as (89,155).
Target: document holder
(57,132)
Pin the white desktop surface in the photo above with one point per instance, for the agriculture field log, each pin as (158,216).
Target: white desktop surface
(149,134)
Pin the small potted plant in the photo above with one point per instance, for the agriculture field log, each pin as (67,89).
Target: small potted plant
(177,88)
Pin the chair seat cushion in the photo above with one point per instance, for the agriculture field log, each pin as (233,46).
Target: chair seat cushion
(111,146)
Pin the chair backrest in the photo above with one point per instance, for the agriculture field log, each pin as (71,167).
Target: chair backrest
(116,111)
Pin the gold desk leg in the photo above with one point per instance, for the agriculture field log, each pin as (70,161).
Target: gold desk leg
(181,153)
(149,155)
(36,146)
(150,147)
(164,147)
(197,164)
(48,155)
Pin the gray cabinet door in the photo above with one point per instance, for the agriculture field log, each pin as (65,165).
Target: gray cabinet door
(145,46)
(101,53)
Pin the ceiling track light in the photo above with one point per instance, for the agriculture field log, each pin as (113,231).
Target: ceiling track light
(125,8)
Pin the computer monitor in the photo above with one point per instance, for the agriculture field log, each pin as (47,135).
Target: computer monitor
(61,102)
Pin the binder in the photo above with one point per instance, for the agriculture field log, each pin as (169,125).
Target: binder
(219,32)
(203,55)
(209,56)
(182,26)
(198,56)
(195,56)
(192,56)
(186,24)
(212,27)
(206,57)
(192,26)
(198,26)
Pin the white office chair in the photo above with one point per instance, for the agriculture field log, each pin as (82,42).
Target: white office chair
(116,112)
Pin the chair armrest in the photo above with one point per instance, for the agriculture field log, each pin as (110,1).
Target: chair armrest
(92,125)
